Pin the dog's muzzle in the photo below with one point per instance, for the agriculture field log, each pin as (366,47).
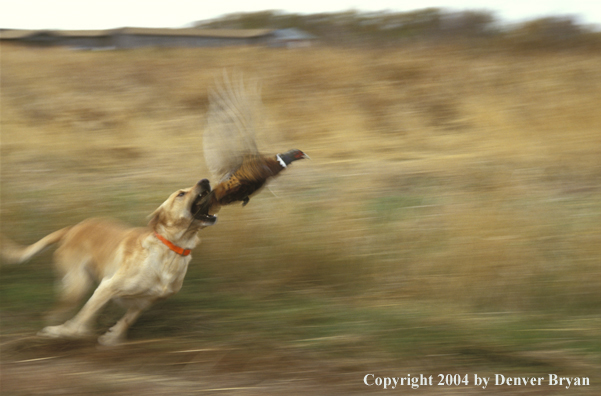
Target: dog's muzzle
(205,189)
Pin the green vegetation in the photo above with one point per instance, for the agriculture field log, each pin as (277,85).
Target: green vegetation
(448,220)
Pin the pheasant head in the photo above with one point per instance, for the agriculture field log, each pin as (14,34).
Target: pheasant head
(288,157)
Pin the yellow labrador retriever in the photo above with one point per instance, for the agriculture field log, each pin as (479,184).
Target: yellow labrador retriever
(134,266)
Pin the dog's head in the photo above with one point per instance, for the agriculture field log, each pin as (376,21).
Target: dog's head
(177,211)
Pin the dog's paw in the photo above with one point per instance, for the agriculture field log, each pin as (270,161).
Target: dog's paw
(50,332)
(65,330)
(111,338)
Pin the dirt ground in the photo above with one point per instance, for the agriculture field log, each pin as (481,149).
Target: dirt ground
(36,366)
(33,365)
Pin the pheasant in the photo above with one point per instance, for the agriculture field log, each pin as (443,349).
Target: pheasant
(230,148)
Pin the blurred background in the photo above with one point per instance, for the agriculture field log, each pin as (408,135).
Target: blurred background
(448,221)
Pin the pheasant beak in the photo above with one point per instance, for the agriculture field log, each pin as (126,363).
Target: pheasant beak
(306,156)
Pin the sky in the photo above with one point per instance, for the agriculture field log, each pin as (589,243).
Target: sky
(108,14)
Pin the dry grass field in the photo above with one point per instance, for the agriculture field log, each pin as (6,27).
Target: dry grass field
(447,222)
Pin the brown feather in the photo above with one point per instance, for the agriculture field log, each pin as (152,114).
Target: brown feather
(230,149)
(243,182)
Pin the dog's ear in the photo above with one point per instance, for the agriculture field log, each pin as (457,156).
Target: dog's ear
(156,218)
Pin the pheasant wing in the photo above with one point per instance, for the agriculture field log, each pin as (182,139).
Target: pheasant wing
(233,117)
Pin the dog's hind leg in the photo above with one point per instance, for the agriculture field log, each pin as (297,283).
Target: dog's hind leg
(73,283)
(72,287)
(79,326)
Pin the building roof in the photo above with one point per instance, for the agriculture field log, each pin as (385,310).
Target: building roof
(9,34)
(78,33)
(233,33)
(223,33)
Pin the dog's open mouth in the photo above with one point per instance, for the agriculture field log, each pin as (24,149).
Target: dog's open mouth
(197,212)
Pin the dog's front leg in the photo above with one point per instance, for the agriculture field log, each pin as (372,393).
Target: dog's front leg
(79,326)
(117,334)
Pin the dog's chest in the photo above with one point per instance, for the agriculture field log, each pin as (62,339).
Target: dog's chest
(170,277)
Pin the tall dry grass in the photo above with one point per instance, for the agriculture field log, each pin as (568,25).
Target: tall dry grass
(437,174)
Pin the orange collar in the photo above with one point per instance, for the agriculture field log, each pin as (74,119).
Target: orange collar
(179,250)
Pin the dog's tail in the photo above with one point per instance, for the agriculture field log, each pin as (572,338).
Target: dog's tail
(13,253)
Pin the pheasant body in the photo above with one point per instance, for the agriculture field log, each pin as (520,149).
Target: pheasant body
(230,149)
(249,178)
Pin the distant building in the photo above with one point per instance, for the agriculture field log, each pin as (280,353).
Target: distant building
(90,39)
(124,38)
(292,38)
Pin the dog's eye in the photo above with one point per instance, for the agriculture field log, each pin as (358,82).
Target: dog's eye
(181,194)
